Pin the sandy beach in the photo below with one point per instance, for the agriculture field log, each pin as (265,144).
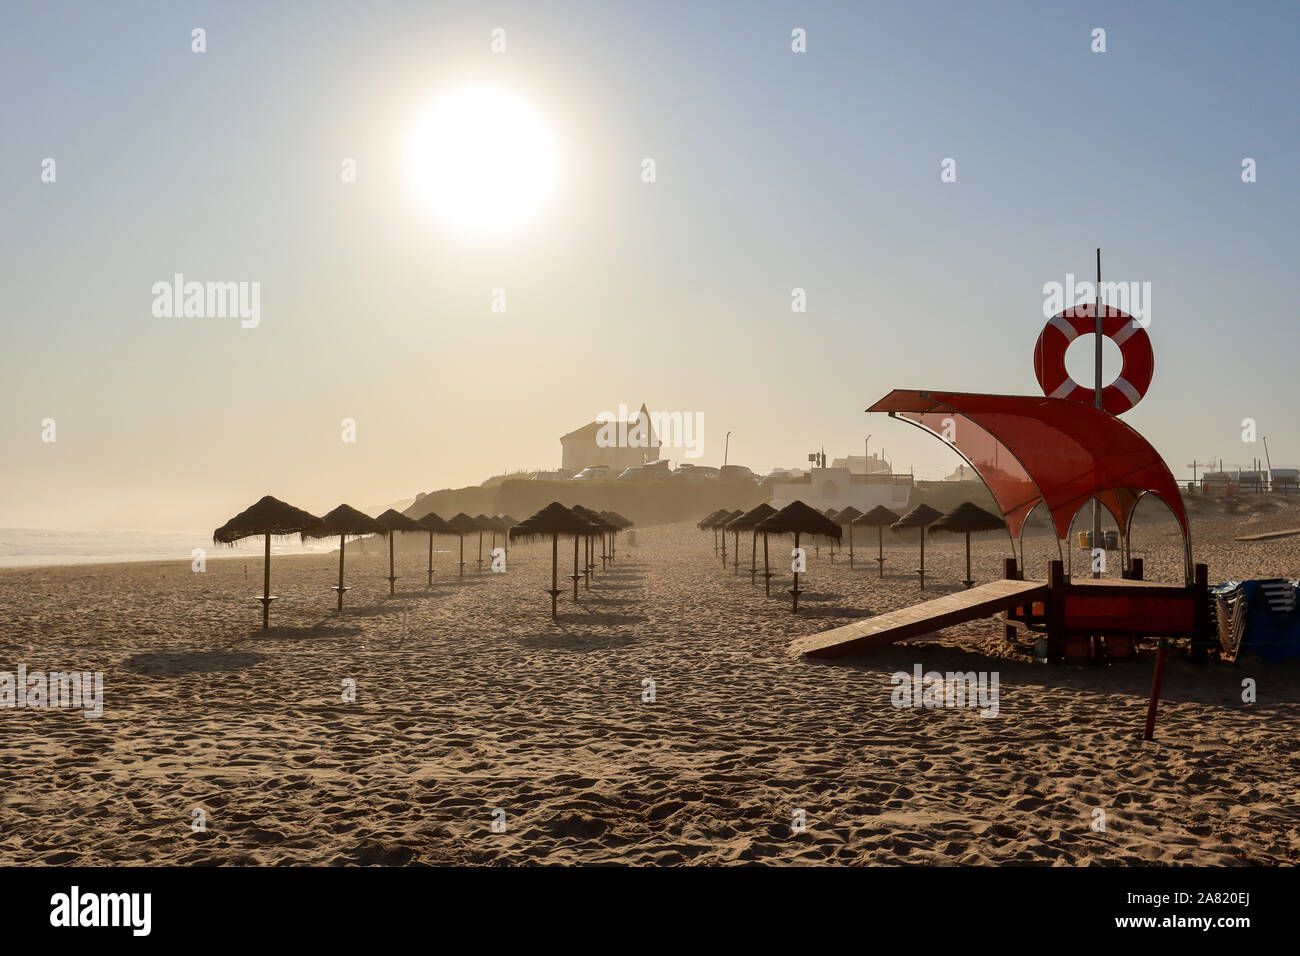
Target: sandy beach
(469,701)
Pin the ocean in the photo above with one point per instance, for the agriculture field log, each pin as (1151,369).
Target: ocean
(27,547)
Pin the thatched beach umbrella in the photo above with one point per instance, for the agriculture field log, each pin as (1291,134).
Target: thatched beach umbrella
(845,519)
(604,526)
(273,518)
(747,522)
(482,524)
(830,513)
(395,521)
(555,521)
(879,518)
(710,523)
(797,519)
(968,518)
(918,517)
(722,522)
(504,523)
(620,523)
(462,525)
(343,521)
(434,525)
(601,526)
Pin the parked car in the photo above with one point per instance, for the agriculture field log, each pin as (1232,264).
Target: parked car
(737,473)
(635,473)
(689,472)
(592,473)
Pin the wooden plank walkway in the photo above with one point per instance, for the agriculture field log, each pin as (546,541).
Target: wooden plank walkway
(884,629)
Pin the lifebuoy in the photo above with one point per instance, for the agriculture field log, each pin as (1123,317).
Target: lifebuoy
(1122,329)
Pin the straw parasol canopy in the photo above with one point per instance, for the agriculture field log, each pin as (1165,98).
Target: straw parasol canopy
(747,522)
(735,524)
(602,526)
(395,521)
(482,523)
(462,524)
(270,517)
(710,523)
(723,520)
(434,525)
(918,517)
(503,524)
(797,519)
(845,519)
(343,521)
(879,518)
(968,518)
(555,521)
(620,523)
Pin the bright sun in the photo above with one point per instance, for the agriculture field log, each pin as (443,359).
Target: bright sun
(483,159)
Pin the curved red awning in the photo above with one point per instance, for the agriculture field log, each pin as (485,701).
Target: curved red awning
(1029,449)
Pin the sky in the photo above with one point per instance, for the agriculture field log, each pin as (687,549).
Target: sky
(775,170)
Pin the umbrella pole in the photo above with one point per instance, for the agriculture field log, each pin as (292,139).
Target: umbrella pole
(753,556)
(767,573)
(850,545)
(391,576)
(880,543)
(430,559)
(343,541)
(576,575)
(586,571)
(735,553)
(555,571)
(922,568)
(266,586)
(480,552)
(794,592)
(969,580)
(603,542)
(462,555)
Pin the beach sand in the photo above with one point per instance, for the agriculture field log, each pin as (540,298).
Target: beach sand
(469,701)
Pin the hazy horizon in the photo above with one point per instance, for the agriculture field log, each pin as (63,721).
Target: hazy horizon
(775,170)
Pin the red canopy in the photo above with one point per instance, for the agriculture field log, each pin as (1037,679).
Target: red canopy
(1030,449)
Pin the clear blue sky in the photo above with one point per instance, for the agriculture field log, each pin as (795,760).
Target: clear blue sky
(775,170)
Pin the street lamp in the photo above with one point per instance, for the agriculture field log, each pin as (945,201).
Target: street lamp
(726,449)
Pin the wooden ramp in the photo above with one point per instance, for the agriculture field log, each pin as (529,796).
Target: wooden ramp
(874,632)
(1268,535)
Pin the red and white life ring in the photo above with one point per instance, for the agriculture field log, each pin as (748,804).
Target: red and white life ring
(1122,329)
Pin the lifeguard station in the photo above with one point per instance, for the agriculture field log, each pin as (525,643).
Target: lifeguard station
(1059,453)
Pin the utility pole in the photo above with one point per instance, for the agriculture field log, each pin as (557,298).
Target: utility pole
(1268,461)
(1096,401)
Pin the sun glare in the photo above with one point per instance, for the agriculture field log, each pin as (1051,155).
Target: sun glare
(483,159)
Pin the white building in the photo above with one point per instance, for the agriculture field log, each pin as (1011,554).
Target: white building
(838,488)
(860,465)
